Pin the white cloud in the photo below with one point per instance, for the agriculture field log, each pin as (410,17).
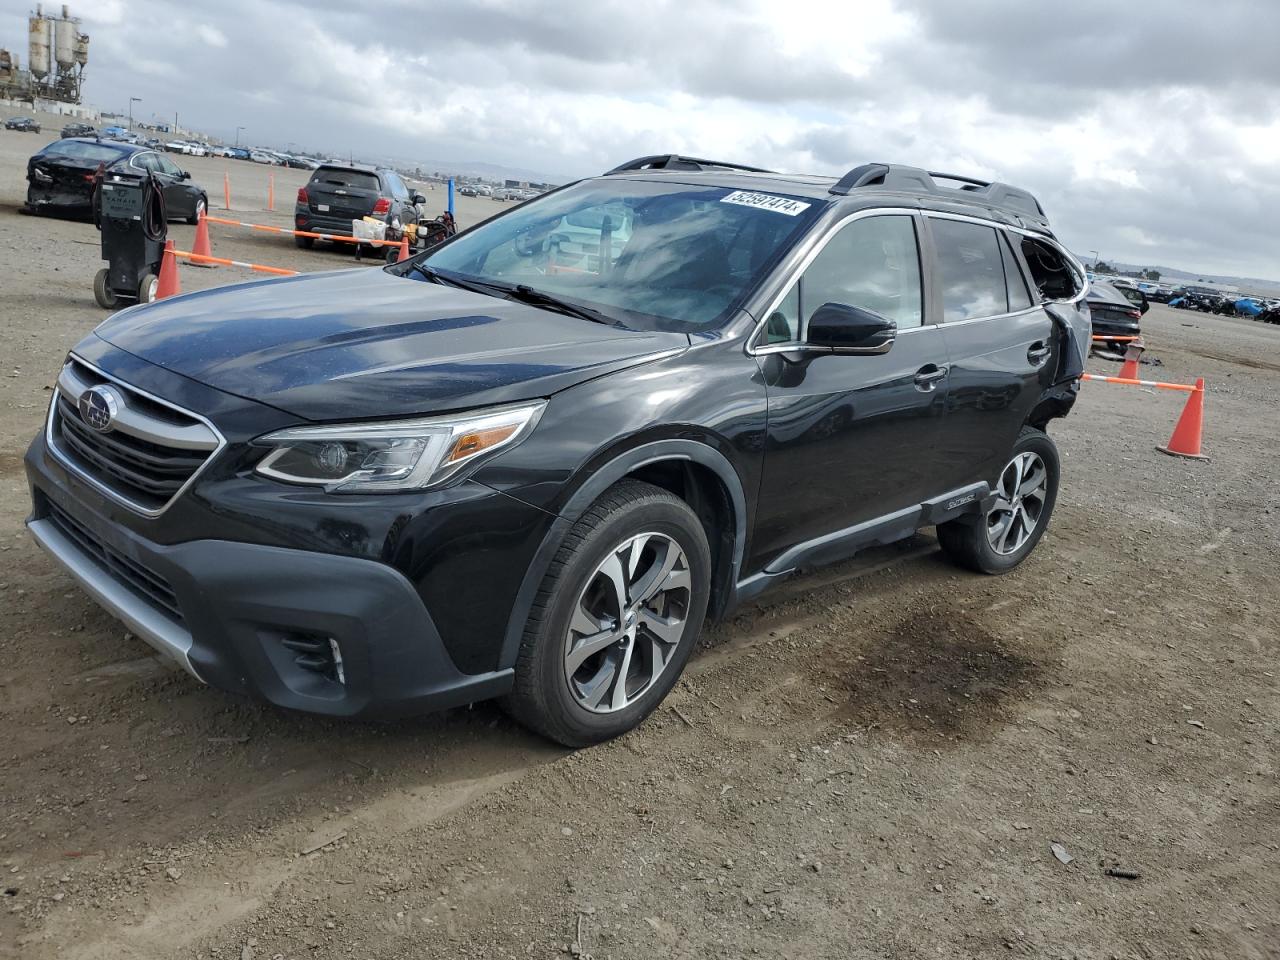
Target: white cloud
(211,35)
(1149,130)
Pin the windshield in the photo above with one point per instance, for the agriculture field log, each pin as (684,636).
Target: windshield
(338,177)
(661,256)
(78,150)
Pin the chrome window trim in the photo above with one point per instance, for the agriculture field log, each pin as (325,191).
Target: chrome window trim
(817,245)
(102,488)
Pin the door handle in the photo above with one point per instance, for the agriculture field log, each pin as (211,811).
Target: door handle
(1038,353)
(927,377)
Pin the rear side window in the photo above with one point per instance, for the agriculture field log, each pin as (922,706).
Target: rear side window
(971,270)
(1019,295)
(338,177)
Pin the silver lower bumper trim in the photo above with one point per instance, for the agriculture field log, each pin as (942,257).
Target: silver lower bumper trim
(158,629)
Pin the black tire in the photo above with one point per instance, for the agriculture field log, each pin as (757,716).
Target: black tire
(304,243)
(201,205)
(966,542)
(542,699)
(147,288)
(105,296)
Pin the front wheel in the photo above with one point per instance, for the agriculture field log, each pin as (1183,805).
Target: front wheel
(102,291)
(615,618)
(1025,493)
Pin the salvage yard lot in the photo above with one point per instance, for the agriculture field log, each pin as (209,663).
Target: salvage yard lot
(872,761)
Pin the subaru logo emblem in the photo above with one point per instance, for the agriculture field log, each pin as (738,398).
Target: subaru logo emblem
(99,407)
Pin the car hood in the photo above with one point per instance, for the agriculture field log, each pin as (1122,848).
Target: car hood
(364,343)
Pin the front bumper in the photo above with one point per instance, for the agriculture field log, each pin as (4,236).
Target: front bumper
(242,617)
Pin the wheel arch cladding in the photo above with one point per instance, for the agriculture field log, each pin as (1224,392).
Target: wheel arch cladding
(697,473)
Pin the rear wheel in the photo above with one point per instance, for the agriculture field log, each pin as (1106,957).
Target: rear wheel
(199,210)
(105,296)
(1024,497)
(147,287)
(615,619)
(304,243)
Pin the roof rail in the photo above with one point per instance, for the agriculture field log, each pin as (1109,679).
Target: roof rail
(898,177)
(674,161)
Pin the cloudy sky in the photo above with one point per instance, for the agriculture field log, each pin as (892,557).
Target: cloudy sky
(1150,129)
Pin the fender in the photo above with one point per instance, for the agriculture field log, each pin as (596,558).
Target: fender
(590,490)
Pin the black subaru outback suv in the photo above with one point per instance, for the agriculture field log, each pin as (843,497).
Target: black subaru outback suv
(531,462)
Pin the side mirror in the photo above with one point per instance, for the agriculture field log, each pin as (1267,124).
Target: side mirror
(848,329)
(184,175)
(418,198)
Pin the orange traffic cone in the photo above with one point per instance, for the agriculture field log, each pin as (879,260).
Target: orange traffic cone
(1185,441)
(404,249)
(1129,369)
(201,247)
(168,285)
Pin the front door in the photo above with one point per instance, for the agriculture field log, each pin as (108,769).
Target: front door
(850,437)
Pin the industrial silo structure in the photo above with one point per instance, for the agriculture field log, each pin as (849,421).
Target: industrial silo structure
(40,45)
(58,53)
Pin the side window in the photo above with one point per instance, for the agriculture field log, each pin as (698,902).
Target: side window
(398,189)
(873,263)
(144,161)
(1015,282)
(165,165)
(971,270)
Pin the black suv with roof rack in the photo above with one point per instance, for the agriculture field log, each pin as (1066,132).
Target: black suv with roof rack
(529,463)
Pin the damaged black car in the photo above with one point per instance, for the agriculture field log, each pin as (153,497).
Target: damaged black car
(61,177)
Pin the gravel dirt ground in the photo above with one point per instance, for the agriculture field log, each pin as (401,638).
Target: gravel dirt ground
(873,761)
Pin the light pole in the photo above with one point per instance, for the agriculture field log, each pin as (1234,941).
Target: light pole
(132,101)
(238,129)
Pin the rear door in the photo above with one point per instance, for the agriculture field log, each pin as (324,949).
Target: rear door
(342,194)
(1000,342)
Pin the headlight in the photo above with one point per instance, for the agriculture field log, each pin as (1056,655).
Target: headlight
(394,456)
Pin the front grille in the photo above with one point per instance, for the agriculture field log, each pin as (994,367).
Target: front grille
(137,577)
(149,455)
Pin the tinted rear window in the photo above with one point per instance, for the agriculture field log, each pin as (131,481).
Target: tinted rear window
(971,269)
(338,177)
(93,152)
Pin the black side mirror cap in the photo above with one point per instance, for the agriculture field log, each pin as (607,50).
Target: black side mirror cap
(418,198)
(843,328)
(185,175)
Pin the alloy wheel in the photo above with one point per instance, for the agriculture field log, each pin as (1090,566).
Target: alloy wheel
(627,623)
(1020,499)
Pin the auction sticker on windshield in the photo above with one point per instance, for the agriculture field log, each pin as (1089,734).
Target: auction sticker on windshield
(764,201)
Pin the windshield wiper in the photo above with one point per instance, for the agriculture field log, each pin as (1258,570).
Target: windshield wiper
(448,279)
(539,298)
(519,291)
